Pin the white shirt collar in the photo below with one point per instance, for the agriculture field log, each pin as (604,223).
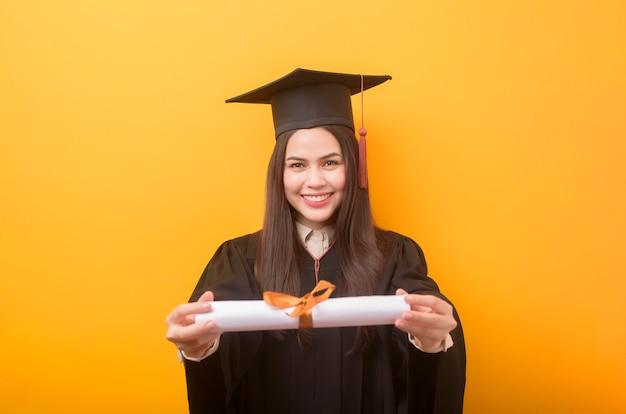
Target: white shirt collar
(316,241)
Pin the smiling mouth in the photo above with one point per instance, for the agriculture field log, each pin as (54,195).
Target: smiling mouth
(316,198)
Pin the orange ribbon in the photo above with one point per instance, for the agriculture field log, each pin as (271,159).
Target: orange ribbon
(303,305)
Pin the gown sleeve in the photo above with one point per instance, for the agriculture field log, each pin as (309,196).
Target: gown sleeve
(435,382)
(229,275)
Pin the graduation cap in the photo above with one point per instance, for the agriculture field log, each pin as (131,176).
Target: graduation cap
(308,98)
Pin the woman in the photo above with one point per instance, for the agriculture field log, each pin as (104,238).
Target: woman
(318,226)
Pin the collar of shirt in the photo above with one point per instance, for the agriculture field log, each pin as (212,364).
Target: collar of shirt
(316,241)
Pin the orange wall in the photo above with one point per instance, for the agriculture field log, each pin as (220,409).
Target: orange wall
(499,146)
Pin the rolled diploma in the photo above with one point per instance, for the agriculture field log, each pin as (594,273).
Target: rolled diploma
(256,315)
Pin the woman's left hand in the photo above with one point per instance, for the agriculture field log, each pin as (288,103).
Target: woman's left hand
(429,321)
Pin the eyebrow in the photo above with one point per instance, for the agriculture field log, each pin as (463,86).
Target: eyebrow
(324,157)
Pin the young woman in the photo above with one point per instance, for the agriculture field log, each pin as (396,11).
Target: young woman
(318,226)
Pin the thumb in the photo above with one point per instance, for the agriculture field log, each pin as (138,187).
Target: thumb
(207,297)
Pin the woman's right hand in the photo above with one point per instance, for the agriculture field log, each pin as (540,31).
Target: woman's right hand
(194,339)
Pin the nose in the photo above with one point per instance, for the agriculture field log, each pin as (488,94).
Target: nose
(315,178)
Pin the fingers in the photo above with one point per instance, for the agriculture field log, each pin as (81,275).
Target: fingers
(194,339)
(185,314)
(189,334)
(182,329)
(429,320)
(424,302)
(192,335)
(428,329)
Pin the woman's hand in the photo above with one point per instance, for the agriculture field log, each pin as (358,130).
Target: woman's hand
(429,321)
(194,339)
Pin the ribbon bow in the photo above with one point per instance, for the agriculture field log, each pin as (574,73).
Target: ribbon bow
(303,305)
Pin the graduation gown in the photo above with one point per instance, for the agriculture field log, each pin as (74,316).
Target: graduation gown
(253,372)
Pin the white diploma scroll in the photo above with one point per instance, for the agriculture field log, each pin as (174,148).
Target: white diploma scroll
(257,315)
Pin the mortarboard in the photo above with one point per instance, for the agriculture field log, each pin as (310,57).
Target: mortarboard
(308,98)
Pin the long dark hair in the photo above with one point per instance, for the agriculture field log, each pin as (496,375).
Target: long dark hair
(360,243)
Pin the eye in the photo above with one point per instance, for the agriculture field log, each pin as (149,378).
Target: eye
(332,163)
(295,165)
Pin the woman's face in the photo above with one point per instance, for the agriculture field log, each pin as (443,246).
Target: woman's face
(314,176)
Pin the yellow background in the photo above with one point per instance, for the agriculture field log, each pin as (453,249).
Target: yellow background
(500,146)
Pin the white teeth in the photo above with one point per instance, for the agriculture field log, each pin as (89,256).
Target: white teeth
(317,198)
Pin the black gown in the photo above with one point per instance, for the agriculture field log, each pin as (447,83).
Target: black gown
(253,372)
